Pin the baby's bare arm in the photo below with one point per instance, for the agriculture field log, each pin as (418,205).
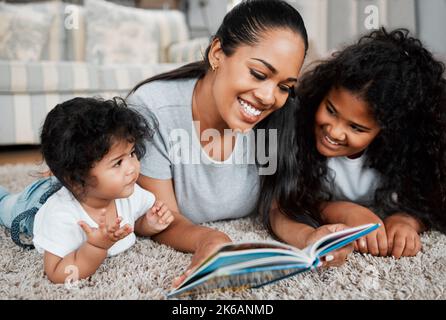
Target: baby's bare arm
(85,261)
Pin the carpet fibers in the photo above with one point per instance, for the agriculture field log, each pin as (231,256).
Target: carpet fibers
(147,269)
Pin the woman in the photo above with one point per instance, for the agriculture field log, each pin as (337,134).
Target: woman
(247,74)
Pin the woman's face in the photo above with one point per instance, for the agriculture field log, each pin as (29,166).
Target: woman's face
(255,81)
(344,125)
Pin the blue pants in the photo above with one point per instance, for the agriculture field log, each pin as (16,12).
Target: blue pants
(17,210)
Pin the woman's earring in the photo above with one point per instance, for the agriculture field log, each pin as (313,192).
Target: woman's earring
(214,67)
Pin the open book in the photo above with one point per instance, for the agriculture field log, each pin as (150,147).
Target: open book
(244,265)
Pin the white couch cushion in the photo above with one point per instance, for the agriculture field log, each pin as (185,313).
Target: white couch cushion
(118,34)
(188,51)
(22,37)
(52,11)
(75,26)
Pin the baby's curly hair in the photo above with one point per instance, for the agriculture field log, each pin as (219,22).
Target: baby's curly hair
(405,88)
(79,132)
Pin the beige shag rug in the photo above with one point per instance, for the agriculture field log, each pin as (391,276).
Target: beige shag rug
(147,269)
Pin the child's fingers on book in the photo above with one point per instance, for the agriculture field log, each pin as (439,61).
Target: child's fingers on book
(356,245)
(334,260)
(335,227)
(343,253)
(321,232)
(363,245)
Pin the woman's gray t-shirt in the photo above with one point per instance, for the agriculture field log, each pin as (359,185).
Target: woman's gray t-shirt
(205,190)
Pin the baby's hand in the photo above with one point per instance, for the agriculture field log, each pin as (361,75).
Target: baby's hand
(105,237)
(402,238)
(159,217)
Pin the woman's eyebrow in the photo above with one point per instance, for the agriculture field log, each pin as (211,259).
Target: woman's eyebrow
(270,67)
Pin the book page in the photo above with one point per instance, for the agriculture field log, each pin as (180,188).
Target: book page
(339,239)
(234,253)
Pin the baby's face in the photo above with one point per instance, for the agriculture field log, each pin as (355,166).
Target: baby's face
(115,175)
(344,124)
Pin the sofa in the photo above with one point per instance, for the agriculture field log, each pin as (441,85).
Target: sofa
(53,51)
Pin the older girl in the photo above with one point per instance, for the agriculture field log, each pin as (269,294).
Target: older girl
(369,146)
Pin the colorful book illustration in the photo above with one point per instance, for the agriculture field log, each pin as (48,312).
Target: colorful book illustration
(238,266)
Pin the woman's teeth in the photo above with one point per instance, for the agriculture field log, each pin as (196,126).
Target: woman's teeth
(331,141)
(249,109)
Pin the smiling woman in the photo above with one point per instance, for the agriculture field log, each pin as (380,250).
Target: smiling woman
(243,82)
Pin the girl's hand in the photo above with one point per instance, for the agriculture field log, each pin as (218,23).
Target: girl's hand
(206,248)
(402,238)
(105,237)
(375,242)
(159,217)
(334,258)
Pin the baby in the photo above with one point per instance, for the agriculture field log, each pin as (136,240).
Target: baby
(93,148)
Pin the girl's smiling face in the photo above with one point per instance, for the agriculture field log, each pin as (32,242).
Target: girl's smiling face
(344,124)
(256,80)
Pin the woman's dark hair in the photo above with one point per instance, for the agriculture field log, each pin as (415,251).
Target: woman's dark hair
(79,132)
(243,25)
(405,89)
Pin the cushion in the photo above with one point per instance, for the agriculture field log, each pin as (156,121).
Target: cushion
(188,51)
(75,32)
(118,34)
(54,48)
(22,36)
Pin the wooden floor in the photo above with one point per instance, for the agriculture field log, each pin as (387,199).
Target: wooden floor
(20,154)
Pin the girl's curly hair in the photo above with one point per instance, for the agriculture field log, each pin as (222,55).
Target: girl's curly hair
(405,88)
(79,132)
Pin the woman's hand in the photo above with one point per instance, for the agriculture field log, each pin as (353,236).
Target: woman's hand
(212,241)
(335,258)
(402,237)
